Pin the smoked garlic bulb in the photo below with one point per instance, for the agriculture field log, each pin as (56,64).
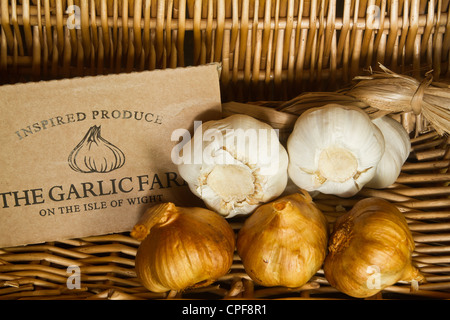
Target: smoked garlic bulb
(242,165)
(334,149)
(370,249)
(182,247)
(396,151)
(284,242)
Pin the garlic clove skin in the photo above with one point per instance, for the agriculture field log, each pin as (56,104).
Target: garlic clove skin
(397,149)
(243,165)
(182,247)
(370,249)
(334,149)
(284,242)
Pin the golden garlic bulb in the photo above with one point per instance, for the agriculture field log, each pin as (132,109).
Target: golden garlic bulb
(370,249)
(182,247)
(284,242)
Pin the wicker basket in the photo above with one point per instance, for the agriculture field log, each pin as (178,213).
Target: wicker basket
(269,51)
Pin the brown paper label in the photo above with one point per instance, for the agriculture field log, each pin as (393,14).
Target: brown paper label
(87,156)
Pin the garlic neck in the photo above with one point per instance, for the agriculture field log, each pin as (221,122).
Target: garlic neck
(231,182)
(411,273)
(337,164)
(159,214)
(340,239)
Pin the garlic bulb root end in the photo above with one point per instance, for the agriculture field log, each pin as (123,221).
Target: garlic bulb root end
(231,182)
(337,164)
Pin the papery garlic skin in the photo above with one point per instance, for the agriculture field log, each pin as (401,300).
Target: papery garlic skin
(185,247)
(284,242)
(243,165)
(396,152)
(370,249)
(334,149)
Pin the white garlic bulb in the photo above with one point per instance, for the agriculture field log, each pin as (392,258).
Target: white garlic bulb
(334,149)
(243,164)
(397,149)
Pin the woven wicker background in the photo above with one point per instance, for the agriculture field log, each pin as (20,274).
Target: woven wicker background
(270,49)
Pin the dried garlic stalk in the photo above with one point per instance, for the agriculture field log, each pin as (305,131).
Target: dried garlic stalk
(420,102)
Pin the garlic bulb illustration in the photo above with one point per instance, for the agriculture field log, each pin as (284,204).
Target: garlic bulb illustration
(334,149)
(95,154)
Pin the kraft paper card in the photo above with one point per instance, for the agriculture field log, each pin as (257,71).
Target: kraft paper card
(87,156)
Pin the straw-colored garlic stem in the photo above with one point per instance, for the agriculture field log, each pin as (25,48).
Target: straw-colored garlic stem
(386,92)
